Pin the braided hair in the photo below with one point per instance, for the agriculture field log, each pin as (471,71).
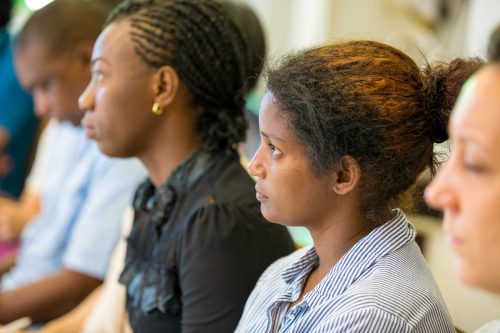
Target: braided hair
(203,44)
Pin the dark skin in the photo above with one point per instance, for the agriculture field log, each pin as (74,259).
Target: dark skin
(47,298)
(292,194)
(7,263)
(333,241)
(58,293)
(160,142)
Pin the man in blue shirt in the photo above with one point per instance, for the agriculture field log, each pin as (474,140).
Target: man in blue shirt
(18,123)
(65,250)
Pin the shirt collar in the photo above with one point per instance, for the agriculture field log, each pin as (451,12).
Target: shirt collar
(381,241)
(301,268)
(157,201)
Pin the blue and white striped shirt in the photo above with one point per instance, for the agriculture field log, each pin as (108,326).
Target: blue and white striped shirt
(382,284)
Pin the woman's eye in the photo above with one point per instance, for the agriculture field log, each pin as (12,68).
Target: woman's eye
(97,75)
(474,168)
(274,151)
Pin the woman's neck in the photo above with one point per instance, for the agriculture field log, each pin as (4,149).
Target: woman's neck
(161,165)
(168,148)
(334,239)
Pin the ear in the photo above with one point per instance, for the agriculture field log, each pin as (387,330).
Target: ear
(346,175)
(165,85)
(83,53)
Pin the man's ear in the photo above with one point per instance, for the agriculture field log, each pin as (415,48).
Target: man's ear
(165,84)
(83,53)
(347,175)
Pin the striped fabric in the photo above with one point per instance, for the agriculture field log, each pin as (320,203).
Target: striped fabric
(382,284)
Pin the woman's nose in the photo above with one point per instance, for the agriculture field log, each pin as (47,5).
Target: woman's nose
(255,167)
(439,194)
(86,100)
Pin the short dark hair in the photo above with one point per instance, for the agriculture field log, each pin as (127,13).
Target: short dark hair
(62,24)
(200,40)
(5,13)
(372,102)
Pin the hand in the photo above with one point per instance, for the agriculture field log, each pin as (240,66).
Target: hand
(15,215)
(12,219)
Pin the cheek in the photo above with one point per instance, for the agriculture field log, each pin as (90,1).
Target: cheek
(479,261)
(295,196)
(481,211)
(109,112)
(479,266)
(56,97)
(286,186)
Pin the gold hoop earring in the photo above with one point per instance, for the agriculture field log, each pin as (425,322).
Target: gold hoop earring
(156,109)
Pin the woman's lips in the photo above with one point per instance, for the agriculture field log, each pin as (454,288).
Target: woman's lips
(455,242)
(88,128)
(259,195)
(89,132)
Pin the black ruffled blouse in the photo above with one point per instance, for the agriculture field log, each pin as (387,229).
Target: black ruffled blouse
(197,247)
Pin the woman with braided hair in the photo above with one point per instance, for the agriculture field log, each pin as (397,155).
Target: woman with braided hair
(346,128)
(167,85)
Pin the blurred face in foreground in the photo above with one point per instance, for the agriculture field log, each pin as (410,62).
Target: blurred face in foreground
(467,188)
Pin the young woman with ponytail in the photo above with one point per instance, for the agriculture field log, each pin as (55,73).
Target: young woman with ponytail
(346,129)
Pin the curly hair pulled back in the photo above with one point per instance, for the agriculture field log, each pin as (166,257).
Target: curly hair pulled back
(371,101)
(201,41)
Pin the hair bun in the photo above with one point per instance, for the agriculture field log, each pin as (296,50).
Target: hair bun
(442,83)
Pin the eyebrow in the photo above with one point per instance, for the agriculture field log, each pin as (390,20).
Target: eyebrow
(30,86)
(271,136)
(99,59)
(475,142)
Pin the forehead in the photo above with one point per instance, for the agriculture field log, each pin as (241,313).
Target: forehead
(269,114)
(115,45)
(274,122)
(34,61)
(477,111)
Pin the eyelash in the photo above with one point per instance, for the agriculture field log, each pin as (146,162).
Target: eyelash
(44,85)
(474,168)
(97,75)
(275,152)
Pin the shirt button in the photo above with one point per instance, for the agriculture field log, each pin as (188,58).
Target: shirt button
(291,316)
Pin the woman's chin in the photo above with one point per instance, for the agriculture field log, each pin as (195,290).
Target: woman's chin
(112,151)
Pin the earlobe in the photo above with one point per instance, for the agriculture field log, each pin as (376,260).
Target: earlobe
(347,175)
(165,86)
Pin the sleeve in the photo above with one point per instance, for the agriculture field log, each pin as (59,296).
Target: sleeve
(108,314)
(218,267)
(97,226)
(34,182)
(367,319)
(16,106)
